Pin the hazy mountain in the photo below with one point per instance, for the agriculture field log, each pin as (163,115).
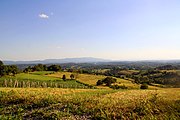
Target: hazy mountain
(57,61)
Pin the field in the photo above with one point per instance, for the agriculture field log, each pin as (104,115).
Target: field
(39,79)
(54,103)
(44,95)
(86,78)
(54,79)
(92,79)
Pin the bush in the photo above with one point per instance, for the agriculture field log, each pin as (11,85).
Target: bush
(109,80)
(64,77)
(118,87)
(99,82)
(72,76)
(144,86)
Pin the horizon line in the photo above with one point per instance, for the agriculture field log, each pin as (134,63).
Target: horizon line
(113,60)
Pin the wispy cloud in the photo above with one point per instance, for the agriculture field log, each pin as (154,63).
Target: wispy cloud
(58,47)
(82,49)
(44,16)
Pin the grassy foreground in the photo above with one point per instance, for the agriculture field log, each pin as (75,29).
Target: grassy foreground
(55,103)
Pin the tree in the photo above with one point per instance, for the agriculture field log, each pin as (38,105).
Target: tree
(3,70)
(99,82)
(109,80)
(144,86)
(28,69)
(12,69)
(8,70)
(55,68)
(64,77)
(72,76)
(39,67)
(1,63)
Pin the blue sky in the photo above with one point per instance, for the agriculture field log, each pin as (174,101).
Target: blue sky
(111,29)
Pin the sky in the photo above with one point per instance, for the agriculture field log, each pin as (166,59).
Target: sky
(109,29)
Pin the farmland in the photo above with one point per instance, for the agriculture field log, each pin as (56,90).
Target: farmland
(39,79)
(92,79)
(77,94)
(71,99)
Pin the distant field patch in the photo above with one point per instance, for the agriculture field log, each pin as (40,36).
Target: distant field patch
(92,79)
(42,72)
(85,78)
(34,76)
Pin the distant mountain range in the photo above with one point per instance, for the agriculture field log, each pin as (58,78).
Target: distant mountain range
(58,61)
(86,60)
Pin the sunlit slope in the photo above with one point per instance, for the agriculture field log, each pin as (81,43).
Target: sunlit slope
(92,79)
(49,103)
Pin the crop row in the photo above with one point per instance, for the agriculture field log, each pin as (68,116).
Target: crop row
(42,84)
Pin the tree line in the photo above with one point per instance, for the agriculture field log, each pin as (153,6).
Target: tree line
(8,69)
(41,67)
(13,69)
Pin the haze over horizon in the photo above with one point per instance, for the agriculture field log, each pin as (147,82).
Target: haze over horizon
(115,30)
(92,59)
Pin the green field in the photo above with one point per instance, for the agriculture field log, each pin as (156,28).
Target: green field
(30,76)
(39,79)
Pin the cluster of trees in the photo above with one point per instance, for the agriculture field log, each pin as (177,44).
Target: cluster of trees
(158,77)
(81,71)
(41,67)
(114,72)
(167,67)
(71,76)
(107,81)
(8,69)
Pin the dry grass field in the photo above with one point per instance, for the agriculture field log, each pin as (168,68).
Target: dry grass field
(103,103)
(55,103)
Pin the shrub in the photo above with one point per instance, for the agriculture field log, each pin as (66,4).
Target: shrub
(118,87)
(144,86)
(109,80)
(64,77)
(99,82)
(72,76)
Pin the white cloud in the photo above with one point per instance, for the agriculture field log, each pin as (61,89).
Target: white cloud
(82,49)
(44,16)
(58,47)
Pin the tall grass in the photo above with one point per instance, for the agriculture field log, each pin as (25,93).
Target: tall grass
(51,103)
